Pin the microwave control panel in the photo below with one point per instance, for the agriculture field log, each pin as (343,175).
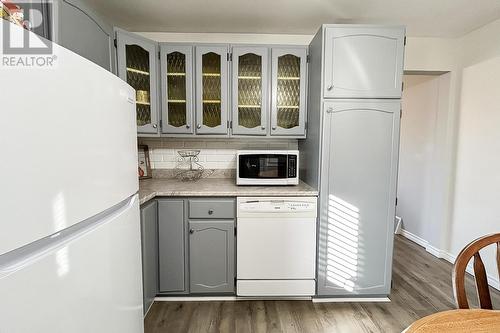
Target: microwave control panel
(292,166)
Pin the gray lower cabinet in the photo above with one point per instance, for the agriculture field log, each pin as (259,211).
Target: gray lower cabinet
(149,243)
(358,194)
(81,30)
(211,256)
(172,246)
(196,245)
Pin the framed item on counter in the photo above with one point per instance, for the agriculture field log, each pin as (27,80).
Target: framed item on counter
(144,163)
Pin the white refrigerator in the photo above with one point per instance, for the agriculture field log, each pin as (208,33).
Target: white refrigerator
(70,257)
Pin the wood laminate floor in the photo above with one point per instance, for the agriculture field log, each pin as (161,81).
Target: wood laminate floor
(421,286)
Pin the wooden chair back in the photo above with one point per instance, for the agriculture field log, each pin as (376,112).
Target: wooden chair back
(459,270)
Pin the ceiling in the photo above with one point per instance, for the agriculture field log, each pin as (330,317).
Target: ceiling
(437,18)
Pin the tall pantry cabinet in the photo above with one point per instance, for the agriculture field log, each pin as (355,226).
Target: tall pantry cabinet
(351,154)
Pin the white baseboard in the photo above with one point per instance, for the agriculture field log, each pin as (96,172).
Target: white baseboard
(414,238)
(352,300)
(493,281)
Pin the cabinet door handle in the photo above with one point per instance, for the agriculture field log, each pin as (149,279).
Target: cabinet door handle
(210,211)
(191,231)
(187,126)
(330,87)
(155,126)
(199,126)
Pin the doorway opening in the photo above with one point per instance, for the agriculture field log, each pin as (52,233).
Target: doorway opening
(423,174)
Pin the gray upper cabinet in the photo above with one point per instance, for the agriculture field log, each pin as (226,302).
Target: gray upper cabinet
(250,106)
(176,63)
(172,244)
(212,89)
(211,256)
(363,61)
(79,29)
(149,242)
(138,66)
(358,186)
(288,87)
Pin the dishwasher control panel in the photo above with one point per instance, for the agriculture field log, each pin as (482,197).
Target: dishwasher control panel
(248,206)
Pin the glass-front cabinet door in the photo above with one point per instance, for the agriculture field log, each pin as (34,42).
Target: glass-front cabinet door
(249,90)
(288,102)
(137,66)
(176,81)
(211,90)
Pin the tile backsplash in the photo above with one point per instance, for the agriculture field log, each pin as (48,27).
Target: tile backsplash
(214,154)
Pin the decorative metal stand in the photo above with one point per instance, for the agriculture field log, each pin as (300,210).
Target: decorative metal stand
(188,168)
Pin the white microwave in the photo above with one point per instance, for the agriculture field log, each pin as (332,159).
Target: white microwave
(267,167)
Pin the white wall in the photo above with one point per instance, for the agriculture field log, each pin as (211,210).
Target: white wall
(430,54)
(437,56)
(467,138)
(477,189)
(418,126)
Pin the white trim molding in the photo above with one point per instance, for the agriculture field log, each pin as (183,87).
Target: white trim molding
(493,281)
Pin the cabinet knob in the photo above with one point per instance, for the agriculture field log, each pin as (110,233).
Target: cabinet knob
(263,127)
(330,87)
(191,231)
(199,126)
(187,126)
(210,211)
(329,110)
(155,126)
(274,128)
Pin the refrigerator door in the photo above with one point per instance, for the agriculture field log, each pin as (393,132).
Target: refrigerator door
(86,278)
(69,142)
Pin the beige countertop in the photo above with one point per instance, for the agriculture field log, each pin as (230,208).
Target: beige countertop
(215,187)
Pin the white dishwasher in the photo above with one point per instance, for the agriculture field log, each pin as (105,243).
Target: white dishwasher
(276,246)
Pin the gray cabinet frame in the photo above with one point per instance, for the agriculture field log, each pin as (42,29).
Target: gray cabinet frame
(173,246)
(221,50)
(187,50)
(149,244)
(300,130)
(263,52)
(78,28)
(125,38)
(360,183)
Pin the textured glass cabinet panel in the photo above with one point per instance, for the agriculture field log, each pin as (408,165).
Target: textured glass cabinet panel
(288,91)
(176,89)
(138,76)
(249,90)
(211,80)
